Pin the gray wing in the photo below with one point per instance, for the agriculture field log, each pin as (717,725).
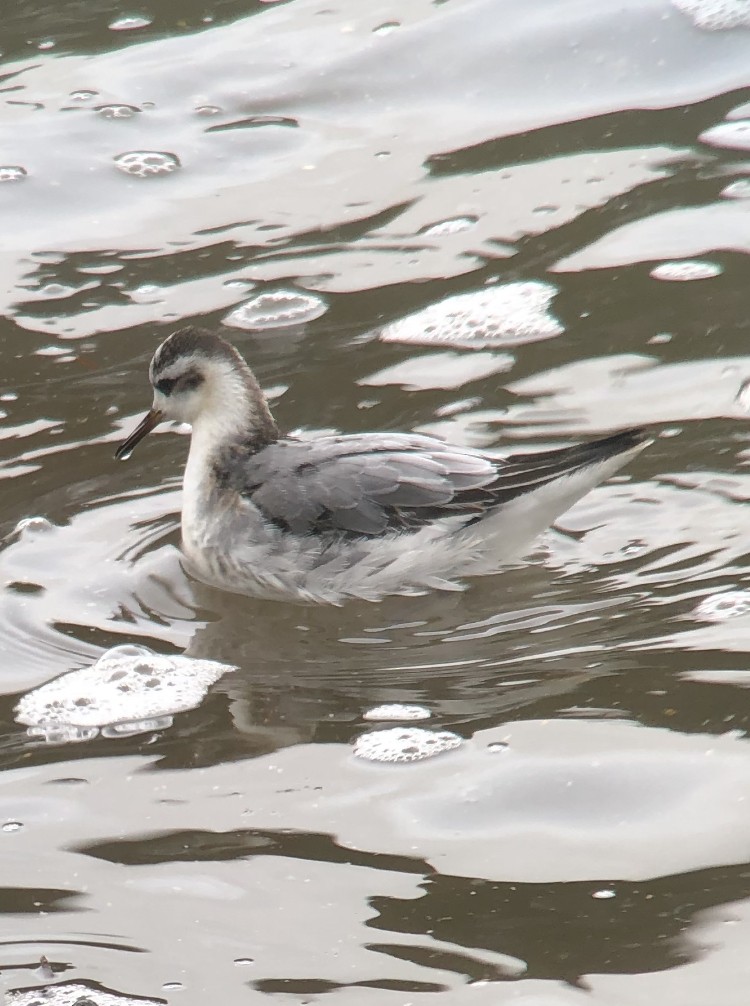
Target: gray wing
(371,483)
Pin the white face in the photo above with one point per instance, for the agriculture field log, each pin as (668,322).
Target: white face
(182,390)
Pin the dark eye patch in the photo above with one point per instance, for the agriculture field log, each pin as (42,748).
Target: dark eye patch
(188,381)
(165,385)
(191,380)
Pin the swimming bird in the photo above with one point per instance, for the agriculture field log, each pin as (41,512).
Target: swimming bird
(353,516)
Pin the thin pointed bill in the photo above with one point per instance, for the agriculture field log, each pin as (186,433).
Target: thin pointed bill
(152,418)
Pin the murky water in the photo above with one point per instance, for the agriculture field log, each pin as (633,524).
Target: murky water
(314,176)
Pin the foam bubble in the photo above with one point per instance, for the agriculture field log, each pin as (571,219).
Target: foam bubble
(716,15)
(405,744)
(730,135)
(29,527)
(129,689)
(682,272)
(506,315)
(12,173)
(117,111)
(722,606)
(129,22)
(71,993)
(277,309)
(396,711)
(143,163)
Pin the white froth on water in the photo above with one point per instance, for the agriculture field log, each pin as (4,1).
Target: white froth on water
(685,271)
(144,163)
(405,744)
(716,15)
(507,315)
(118,111)
(276,309)
(72,993)
(730,135)
(720,607)
(128,690)
(397,711)
(12,173)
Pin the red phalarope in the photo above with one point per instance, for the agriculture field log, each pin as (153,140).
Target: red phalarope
(354,516)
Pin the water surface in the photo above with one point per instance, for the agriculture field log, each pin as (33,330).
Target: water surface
(590,839)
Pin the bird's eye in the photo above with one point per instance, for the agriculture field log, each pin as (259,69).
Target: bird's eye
(165,385)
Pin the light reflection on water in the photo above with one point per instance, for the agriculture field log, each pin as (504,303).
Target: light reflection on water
(374,173)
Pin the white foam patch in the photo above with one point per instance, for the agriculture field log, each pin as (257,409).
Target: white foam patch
(128,690)
(506,315)
(716,15)
(405,744)
(720,607)
(397,711)
(278,309)
(72,994)
(12,173)
(684,272)
(730,135)
(144,163)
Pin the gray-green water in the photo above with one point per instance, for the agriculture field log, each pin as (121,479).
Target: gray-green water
(590,841)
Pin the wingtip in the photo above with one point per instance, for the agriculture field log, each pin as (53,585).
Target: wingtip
(624,441)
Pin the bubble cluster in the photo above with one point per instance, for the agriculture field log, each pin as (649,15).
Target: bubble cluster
(730,135)
(506,315)
(276,309)
(117,111)
(396,711)
(716,15)
(128,690)
(144,163)
(12,173)
(74,994)
(405,744)
(723,606)
(685,271)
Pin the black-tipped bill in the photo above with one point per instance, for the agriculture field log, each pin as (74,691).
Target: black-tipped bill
(150,420)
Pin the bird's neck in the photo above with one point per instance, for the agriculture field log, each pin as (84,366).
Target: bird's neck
(238,421)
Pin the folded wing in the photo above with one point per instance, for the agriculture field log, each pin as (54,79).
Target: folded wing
(365,485)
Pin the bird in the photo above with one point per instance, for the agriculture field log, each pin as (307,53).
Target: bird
(347,516)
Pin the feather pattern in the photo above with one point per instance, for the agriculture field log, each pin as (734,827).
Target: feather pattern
(341,517)
(369,484)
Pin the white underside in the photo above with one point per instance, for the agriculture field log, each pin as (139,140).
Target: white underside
(229,544)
